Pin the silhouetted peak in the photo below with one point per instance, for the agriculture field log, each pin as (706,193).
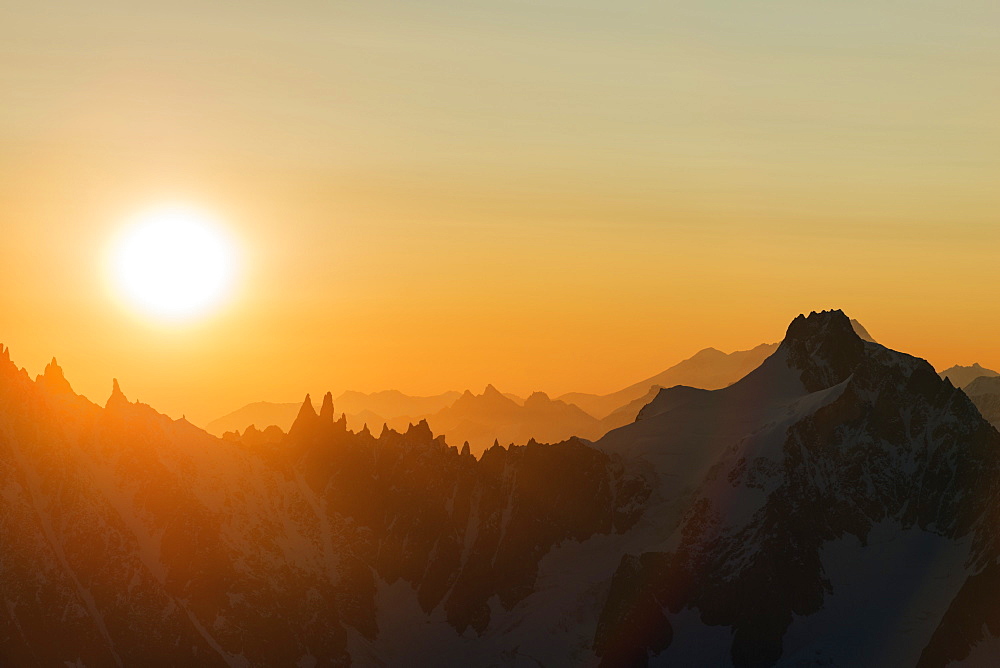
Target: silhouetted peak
(365,430)
(326,410)
(466,450)
(117,397)
(387,431)
(537,399)
(491,391)
(306,409)
(306,420)
(820,325)
(421,430)
(4,353)
(53,379)
(860,330)
(706,353)
(824,347)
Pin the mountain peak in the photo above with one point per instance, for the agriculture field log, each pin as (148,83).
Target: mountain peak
(491,391)
(537,398)
(326,410)
(420,430)
(53,379)
(117,397)
(306,420)
(824,346)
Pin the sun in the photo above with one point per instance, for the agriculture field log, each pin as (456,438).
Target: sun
(174,262)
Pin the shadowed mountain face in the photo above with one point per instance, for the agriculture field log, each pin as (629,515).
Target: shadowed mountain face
(960,376)
(837,506)
(985,394)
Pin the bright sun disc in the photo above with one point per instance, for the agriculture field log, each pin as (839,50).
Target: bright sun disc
(174,262)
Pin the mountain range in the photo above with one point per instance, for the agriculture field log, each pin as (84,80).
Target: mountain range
(961,376)
(505,418)
(838,505)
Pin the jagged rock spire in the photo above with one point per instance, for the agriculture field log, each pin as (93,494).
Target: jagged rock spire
(53,379)
(420,430)
(306,421)
(117,397)
(326,410)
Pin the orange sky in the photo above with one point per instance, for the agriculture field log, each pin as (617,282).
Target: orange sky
(546,196)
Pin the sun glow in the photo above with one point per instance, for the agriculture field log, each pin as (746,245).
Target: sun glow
(174,263)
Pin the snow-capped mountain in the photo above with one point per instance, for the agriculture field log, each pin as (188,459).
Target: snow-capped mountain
(832,508)
(837,506)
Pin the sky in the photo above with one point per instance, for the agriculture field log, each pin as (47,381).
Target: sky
(555,196)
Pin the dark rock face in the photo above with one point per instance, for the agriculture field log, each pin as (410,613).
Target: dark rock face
(462,530)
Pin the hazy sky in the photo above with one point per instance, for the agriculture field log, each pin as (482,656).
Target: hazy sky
(542,195)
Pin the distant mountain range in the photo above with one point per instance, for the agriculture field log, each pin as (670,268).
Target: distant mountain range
(960,376)
(709,369)
(839,505)
(493,416)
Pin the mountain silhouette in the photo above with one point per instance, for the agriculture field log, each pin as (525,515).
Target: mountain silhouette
(491,416)
(960,376)
(985,394)
(388,406)
(709,369)
(836,506)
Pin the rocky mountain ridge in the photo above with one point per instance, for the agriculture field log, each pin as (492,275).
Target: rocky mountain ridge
(837,506)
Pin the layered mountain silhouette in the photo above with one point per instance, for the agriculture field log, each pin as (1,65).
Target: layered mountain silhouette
(960,376)
(483,419)
(839,505)
(373,409)
(709,369)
